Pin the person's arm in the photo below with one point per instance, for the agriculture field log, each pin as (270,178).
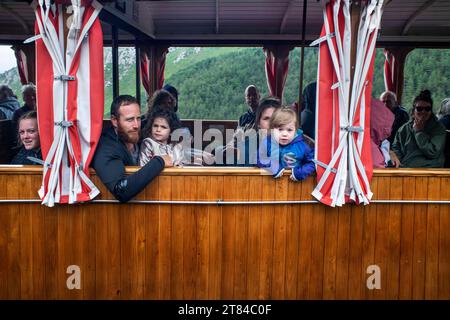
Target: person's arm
(110,168)
(431,145)
(129,186)
(305,167)
(396,151)
(147,153)
(268,158)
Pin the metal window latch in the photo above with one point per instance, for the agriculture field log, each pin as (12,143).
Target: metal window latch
(352,129)
(64,123)
(64,77)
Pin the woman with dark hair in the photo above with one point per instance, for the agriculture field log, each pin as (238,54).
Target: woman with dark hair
(161,100)
(420,142)
(174,92)
(247,145)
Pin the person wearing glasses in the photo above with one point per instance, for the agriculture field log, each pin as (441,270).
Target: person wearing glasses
(420,142)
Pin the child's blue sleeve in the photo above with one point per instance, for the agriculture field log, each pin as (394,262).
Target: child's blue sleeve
(263,159)
(306,166)
(268,157)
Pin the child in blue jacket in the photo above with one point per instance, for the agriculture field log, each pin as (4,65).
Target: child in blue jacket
(285,148)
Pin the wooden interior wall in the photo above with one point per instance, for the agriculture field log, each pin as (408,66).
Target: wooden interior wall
(163,251)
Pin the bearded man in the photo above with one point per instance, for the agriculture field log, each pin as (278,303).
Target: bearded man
(119,147)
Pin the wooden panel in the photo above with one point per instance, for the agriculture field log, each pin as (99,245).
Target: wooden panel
(177,245)
(241,245)
(189,239)
(267,236)
(444,243)
(343,254)
(88,268)
(420,240)
(369,241)
(230,190)
(394,234)
(315,289)
(280,241)
(4,230)
(303,217)
(173,251)
(330,251)
(203,239)
(158,269)
(406,240)
(432,244)
(382,237)
(13,243)
(70,249)
(215,186)
(51,254)
(355,270)
(108,267)
(292,242)
(254,238)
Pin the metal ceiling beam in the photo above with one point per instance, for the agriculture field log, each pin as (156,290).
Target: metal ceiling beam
(415,15)
(217,15)
(286,14)
(114,17)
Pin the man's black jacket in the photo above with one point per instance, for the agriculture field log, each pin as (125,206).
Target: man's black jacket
(109,162)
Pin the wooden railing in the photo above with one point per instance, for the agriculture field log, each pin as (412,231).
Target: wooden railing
(212,249)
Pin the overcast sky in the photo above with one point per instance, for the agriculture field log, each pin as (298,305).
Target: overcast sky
(7,59)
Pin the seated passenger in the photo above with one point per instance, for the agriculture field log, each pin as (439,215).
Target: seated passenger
(8,102)
(308,115)
(29,99)
(401,115)
(248,146)
(285,148)
(444,118)
(157,142)
(420,142)
(247,120)
(381,119)
(118,147)
(161,100)
(29,140)
(174,92)
(444,113)
(160,129)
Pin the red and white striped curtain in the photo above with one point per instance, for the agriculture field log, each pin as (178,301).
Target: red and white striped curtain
(343,152)
(22,66)
(70,97)
(145,71)
(25,57)
(159,63)
(277,67)
(390,71)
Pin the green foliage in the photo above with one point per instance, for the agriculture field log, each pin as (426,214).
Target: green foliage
(211,81)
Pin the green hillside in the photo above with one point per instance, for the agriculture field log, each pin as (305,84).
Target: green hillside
(214,87)
(211,81)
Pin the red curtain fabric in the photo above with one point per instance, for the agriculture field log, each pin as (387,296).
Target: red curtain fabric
(277,67)
(159,64)
(25,57)
(145,71)
(70,100)
(394,65)
(343,146)
(390,71)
